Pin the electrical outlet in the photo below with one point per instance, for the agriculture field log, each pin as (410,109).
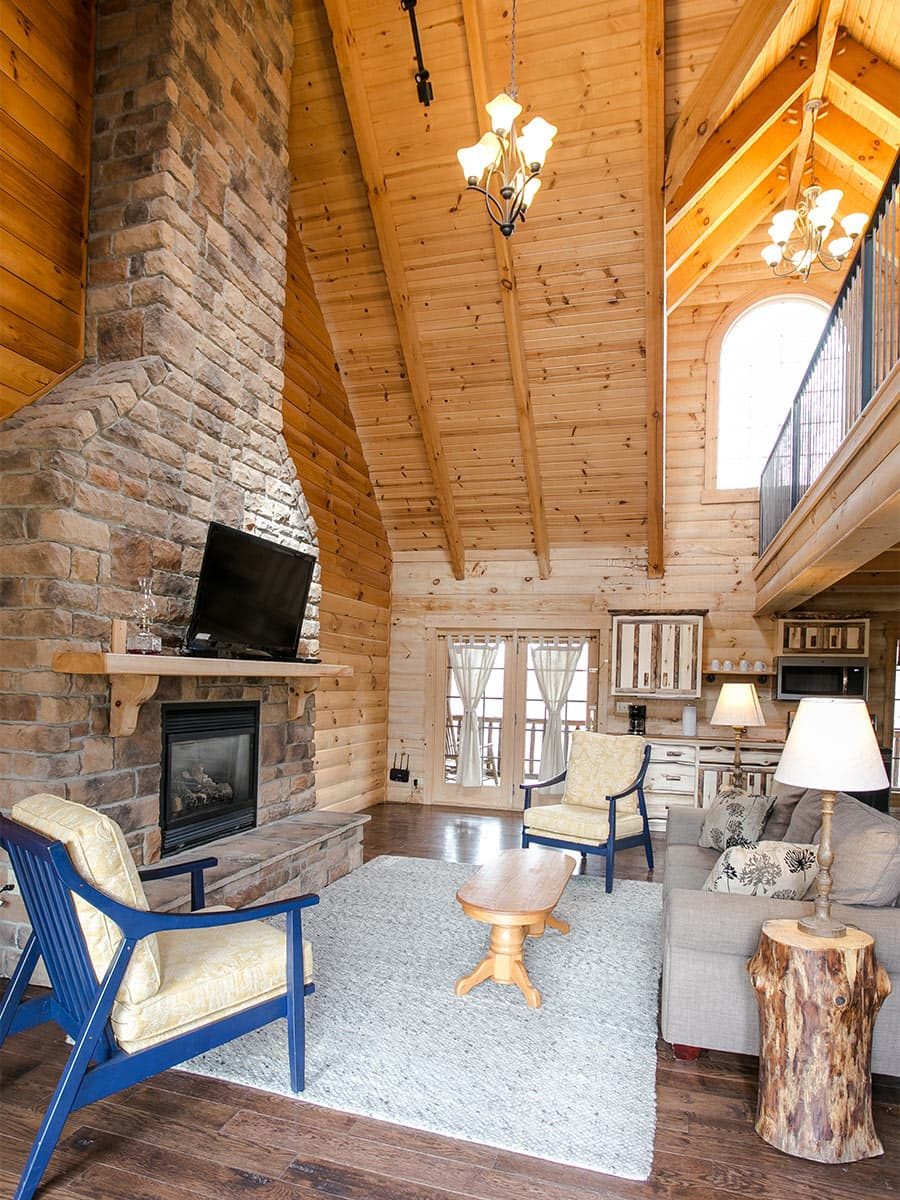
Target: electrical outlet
(622,707)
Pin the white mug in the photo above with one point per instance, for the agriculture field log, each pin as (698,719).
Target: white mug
(759,665)
(727,665)
(715,665)
(744,664)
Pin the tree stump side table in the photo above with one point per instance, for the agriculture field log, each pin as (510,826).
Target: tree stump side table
(818,999)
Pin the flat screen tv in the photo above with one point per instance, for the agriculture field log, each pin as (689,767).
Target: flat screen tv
(251,596)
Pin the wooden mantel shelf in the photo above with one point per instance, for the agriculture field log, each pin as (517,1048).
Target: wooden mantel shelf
(134,677)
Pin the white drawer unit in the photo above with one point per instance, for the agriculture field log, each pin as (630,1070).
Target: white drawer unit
(671,778)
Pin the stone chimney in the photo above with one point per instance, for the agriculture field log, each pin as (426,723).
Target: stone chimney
(175,417)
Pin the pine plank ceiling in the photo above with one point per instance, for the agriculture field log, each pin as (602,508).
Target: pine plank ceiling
(507,395)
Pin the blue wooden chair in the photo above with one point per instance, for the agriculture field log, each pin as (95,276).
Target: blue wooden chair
(137,991)
(603,808)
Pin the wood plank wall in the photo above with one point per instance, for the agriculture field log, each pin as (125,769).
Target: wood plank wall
(710,552)
(47,65)
(354,556)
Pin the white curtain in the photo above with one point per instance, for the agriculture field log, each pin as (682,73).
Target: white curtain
(554,664)
(471,663)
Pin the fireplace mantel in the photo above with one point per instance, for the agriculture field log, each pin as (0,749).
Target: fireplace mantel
(135,677)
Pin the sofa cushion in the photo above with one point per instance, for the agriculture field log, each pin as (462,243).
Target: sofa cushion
(778,870)
(575,823)
(806,818)
(786,798)
(100,854)
(866,843)
(735,818)
(601,765)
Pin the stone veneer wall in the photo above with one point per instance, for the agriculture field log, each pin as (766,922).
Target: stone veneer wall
(175,419)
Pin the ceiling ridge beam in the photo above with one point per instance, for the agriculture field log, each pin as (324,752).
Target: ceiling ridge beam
(830,13)
(732,233)
(476,42)
(750,121)
(653,165)
(741,46)
(350,69)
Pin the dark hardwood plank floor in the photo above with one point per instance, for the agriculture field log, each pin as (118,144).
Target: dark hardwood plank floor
(180,1135)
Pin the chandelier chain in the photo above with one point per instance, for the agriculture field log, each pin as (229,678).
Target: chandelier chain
(513,87)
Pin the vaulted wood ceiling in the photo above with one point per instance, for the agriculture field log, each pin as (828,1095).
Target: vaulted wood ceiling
(509,396)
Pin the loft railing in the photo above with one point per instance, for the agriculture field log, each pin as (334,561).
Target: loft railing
(857,350)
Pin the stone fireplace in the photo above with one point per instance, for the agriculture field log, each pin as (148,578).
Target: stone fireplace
(173,420)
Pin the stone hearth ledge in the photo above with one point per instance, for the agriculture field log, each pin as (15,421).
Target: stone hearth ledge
(297,854)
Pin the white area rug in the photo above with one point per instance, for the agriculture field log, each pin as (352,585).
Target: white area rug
(572,1081)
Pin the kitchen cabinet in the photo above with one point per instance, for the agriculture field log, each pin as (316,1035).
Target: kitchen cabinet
(657,656)
(823,637)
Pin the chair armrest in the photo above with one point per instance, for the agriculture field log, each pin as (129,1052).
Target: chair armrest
(527,788)
(137,923)
(196,868)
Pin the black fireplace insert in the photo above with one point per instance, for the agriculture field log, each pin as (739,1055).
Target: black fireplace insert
(210,760)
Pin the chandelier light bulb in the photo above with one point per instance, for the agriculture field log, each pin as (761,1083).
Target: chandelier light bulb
(772,255)
(840,247)
(536,140)
(854,224)
(475,160)
(503,111)
(531,189)
(829,201)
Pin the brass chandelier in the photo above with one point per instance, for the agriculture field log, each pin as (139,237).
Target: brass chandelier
(799,234)
(508,163)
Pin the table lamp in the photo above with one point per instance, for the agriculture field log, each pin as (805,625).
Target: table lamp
(832,747)
(737,706)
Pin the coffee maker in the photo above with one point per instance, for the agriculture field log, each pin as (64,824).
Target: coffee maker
(637,718)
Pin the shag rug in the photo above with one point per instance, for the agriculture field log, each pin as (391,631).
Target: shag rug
(572,1081)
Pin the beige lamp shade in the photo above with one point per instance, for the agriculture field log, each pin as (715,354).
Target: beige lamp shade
(738,706)
(832,747)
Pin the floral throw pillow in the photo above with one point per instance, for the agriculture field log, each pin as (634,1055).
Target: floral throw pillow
(735,819)
(777,870)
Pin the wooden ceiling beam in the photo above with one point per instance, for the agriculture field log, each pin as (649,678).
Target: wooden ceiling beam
(653,128)
(717,205)
(764,106)
(854,146)
(875,83)
(351,72)
(476,42)
(726,238)
(741,46)
(830,12)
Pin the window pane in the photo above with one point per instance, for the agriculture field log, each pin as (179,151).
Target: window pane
(490,713)
(574,713)
(764,356)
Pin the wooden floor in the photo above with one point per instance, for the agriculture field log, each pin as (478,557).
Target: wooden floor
(181,1135)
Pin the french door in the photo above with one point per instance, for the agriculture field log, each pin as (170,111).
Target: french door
(522,696)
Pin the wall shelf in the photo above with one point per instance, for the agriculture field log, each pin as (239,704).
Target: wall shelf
(134,678)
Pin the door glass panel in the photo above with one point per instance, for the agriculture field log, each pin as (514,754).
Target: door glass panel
(575,710)
(490,714)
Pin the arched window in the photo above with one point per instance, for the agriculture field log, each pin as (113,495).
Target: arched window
(763,357)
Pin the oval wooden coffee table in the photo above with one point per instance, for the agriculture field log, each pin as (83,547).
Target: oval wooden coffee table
(515,894)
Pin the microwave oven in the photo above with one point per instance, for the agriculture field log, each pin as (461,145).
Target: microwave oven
(805,675)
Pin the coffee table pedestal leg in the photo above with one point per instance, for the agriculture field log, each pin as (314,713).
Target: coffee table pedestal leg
(503,963)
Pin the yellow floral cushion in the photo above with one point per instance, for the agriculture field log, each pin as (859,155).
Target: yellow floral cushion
(100,854)
(601,765)
(575,823)
(207,974)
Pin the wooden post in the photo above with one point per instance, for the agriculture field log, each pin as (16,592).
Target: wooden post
(818,999)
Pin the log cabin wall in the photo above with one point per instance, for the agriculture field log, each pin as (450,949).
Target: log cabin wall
(45,131)
(354,556)
(710,552)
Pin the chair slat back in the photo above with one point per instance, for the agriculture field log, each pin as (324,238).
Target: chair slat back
(48,903)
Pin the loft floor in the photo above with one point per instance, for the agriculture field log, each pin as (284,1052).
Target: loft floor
(182,1136)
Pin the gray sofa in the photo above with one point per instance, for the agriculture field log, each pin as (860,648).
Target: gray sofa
(707,999)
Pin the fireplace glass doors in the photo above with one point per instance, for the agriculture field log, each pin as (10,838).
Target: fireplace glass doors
(209,772)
